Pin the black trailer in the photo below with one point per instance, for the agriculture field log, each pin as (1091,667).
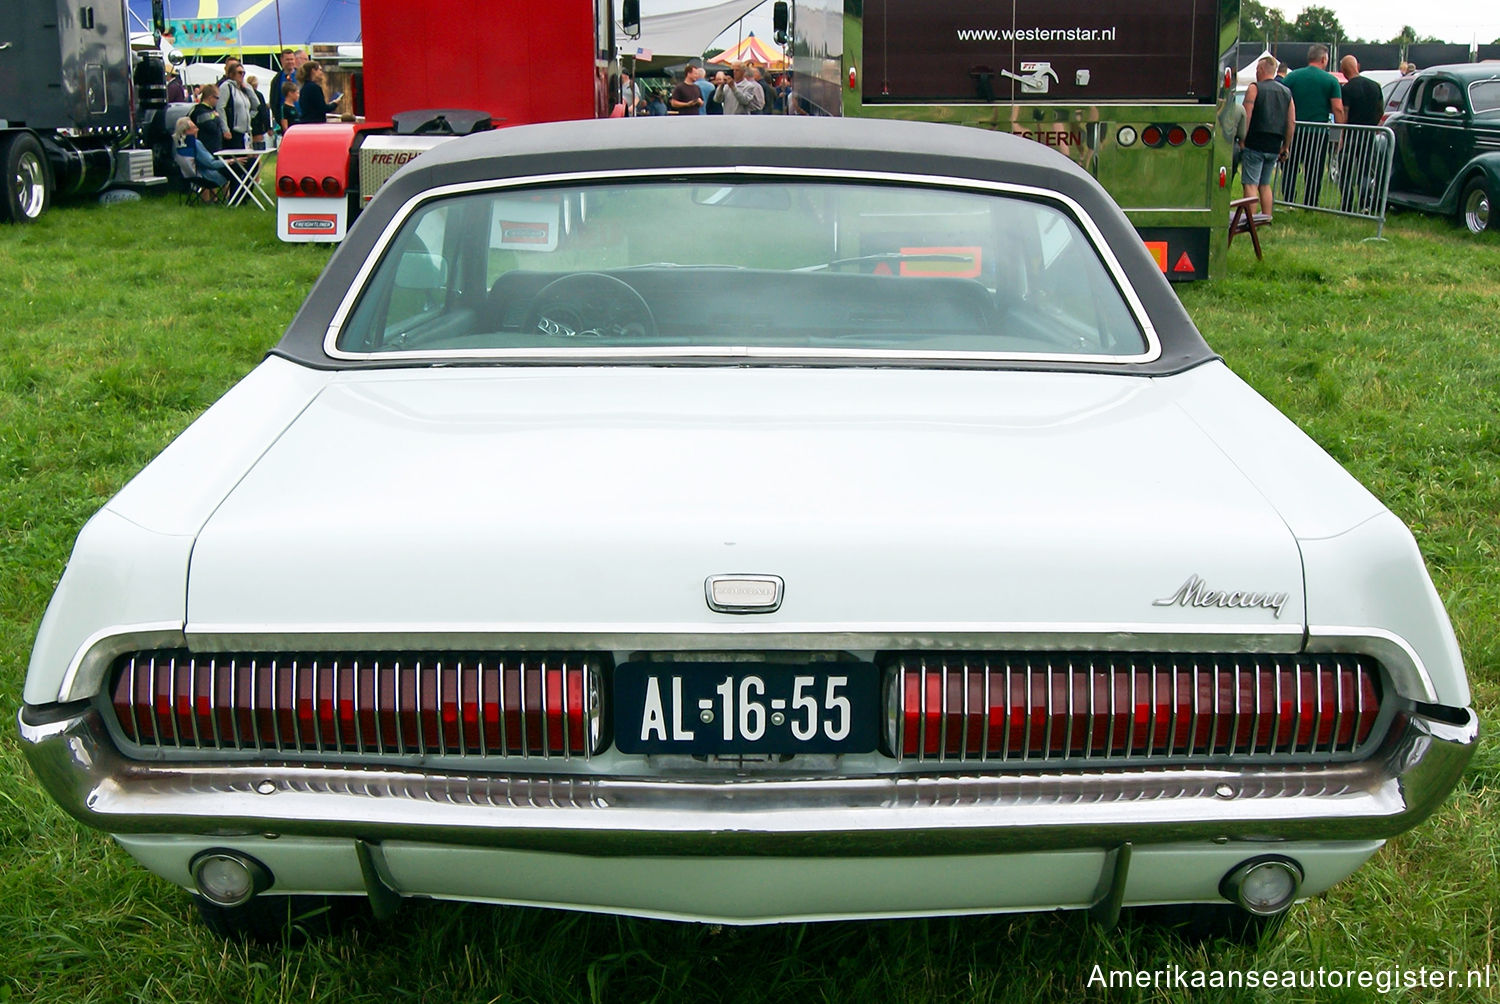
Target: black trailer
(78,114)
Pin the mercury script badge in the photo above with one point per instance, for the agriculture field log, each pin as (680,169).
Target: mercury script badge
(743,594)
(1195,593)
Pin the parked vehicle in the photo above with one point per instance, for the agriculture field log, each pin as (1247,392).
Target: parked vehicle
(1447,130)
(77,112)
(1393,92)
(457,80)
(885,541)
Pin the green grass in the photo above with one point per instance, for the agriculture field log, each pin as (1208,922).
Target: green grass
(119,325)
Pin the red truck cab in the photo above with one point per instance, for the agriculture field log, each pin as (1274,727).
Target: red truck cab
(433,71)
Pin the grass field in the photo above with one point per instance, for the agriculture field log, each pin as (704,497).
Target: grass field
(119,325)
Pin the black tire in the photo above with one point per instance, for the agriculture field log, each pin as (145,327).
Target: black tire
(1198,923)
(271,919)
(27,181)
(1476,207)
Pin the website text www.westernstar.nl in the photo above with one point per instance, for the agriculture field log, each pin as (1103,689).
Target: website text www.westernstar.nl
(1078,34)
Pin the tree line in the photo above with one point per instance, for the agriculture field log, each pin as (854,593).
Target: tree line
(1314,24)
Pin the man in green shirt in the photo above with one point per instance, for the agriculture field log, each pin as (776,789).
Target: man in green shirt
(1318,99)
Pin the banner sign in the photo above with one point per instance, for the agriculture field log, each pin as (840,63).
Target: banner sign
(205,32)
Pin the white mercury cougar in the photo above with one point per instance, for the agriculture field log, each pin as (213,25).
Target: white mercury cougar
(746,520)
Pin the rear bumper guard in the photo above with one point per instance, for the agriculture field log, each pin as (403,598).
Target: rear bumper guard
(1420,761)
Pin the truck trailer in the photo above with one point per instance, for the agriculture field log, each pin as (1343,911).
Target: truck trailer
(78,112)
(1135,93)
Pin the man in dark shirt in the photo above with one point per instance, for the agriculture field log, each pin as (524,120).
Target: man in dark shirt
(767,90)
(288,75)
(1362,104)
(1271,127)
(686,98)
(1319,101)
(1362,152)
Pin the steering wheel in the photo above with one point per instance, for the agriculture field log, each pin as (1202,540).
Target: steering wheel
(589,305)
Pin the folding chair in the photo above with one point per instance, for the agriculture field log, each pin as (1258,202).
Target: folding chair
(193,184)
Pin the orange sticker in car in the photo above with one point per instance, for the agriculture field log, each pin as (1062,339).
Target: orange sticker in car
(956,263)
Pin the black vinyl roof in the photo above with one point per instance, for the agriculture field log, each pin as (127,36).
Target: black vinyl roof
(654,146)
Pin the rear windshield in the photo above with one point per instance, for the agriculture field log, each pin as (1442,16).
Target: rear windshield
(1484,96)
(713,266)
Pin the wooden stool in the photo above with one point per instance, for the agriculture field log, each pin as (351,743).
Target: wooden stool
(1242,221)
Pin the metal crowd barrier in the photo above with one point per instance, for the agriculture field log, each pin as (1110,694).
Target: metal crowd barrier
(1339,169)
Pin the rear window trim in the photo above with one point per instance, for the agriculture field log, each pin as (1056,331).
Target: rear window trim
(1475,109)
(912,357)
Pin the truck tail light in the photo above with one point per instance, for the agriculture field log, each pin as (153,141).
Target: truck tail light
(1152,135)
(1104,706)
(332,186)
(1176,135)
(426,704)
(1202,135)
(286,185)
(309,186)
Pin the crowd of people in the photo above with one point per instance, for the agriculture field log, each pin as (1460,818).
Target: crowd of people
(232,114)
(1278,102)
(246,119)
(741,89)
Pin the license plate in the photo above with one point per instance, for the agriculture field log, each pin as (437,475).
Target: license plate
(729,708)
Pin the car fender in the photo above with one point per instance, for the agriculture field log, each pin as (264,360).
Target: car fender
(127,577)
(1486,164)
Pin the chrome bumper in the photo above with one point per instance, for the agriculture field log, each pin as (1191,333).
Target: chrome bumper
(948,813)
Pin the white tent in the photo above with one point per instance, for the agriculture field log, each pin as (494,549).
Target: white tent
(1246,76)
(684,33)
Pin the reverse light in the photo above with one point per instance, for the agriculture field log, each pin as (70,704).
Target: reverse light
(228,878)
(1263,886)
(1127,136)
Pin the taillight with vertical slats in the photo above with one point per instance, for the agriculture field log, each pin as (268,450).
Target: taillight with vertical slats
(425,704)
(1108,706)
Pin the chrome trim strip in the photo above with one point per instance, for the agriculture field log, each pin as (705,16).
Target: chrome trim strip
(922,710)
(738,634)
(1084,221)
(85,673)
(1276,696)
(1387,648)
(172,704)
(944,812)
(989,712)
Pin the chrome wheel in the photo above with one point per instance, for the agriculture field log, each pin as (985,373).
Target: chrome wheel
(1476,210)
(25,182)
(29,185)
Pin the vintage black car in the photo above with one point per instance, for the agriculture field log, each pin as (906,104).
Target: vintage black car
(1448,144)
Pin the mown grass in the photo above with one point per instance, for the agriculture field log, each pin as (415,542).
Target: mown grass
(119,325)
